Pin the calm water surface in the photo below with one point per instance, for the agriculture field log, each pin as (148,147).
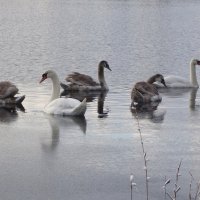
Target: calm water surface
(45,157)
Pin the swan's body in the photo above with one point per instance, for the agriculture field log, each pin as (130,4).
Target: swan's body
(7,93)
(145,92)
(62,106)
(82,82)
(180,82)
(66,106)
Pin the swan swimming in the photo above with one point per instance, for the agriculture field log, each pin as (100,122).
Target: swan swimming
(7,93)
(180,82)
(145,92)
(62,106)
(82,82)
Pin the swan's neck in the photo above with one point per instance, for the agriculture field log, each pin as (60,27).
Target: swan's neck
(193,76)
(55,88)
(151,80)
(102,78)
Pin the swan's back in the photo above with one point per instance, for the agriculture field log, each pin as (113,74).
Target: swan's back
(143,98)
(66,107)
(80,82)
(7,89)
(146,88)
(145,92)
(81,79)
(175,82)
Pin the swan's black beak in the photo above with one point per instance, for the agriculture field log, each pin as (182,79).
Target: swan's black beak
(108,67)
(44,76)
(105,64)
(163,82)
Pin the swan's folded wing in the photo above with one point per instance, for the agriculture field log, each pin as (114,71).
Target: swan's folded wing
(146,88)
(177,81)
(81,79)
(7,89)
(63,106)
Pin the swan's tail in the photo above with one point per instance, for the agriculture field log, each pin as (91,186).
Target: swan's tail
(19,99)
(80,109)
(12,100)
(64,86)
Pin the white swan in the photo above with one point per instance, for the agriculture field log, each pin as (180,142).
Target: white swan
(180,82)
(7,93)
(82,82)
(62,106)
(145,92)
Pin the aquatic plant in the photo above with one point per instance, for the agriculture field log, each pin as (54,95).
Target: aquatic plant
(144,158)
(197,191)
(193,195)
(176,186)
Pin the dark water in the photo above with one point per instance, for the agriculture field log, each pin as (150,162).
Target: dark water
(44,157)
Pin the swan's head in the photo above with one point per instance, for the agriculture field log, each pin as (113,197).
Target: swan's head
(159,78)
(48,74)
(104,64)
(195,62)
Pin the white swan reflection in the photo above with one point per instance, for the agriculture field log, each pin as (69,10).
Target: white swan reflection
(155,114)
(58,123)
(175,92)
(100,105)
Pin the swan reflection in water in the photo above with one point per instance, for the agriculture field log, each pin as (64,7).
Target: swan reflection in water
(65,123)
(8,113)
(90,96)
(100,105)
(148,111)
(151,111)
(177,92)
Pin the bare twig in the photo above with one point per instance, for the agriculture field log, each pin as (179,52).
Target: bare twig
(133,184)
(190,191)
(197,191)
(177,188)
(169,196)
(131,181)
(144,157)
(167,181)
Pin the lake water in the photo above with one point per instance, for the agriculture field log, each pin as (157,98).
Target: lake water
(55,158)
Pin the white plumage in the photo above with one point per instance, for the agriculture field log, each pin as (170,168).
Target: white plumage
(62,106)
(65,107)
(180,82)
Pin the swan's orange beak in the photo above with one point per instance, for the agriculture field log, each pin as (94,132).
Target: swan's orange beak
(42,79)
(44,76)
